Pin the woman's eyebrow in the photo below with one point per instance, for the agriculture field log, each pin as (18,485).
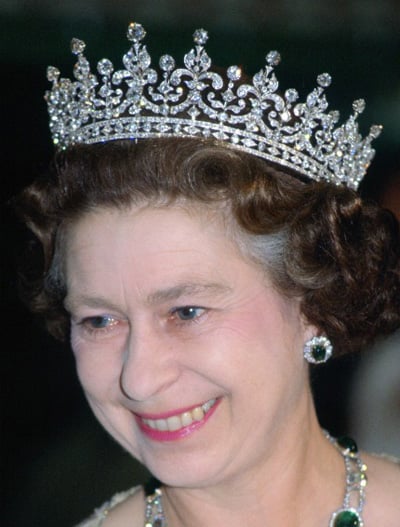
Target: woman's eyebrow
(177,291)
(71,302)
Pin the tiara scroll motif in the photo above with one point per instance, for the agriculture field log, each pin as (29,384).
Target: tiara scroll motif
(194,101)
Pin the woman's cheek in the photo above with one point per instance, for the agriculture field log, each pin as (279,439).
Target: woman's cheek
(98,361)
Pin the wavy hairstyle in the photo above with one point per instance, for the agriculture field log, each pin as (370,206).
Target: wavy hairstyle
(318,242)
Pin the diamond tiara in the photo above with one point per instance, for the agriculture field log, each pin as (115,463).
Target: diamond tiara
(195,101)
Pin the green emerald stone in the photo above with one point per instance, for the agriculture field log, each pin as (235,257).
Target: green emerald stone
(347,519)
(347,443)
(318,352)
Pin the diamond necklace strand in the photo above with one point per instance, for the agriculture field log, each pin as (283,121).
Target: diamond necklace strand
(349,515)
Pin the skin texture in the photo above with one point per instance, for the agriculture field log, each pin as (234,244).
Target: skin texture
(131,275)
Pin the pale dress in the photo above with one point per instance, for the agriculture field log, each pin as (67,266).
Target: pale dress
(100,514)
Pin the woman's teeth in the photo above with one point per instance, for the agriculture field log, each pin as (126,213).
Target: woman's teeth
(176,422)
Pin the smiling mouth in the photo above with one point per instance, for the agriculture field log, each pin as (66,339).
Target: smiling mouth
(175,423)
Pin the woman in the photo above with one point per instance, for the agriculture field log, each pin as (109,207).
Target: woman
(203,244)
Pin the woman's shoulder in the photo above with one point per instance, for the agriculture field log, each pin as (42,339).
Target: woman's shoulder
(383,490)
(123,506)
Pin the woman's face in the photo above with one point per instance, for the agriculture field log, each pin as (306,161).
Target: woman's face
(186,353)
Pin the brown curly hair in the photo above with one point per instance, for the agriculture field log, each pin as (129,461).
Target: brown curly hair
(341,256)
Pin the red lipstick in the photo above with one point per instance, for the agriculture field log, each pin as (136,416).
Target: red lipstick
(182,432)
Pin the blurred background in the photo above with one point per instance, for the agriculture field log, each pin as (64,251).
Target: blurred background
(57,464)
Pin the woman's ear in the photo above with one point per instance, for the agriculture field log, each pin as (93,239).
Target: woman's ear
(309,330)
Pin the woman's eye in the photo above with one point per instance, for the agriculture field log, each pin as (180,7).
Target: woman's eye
(97,327)
(100,322)
(188,312)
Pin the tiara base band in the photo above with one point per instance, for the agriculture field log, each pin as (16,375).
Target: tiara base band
(146,128)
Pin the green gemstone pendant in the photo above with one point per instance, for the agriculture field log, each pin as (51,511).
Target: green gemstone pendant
(346,518)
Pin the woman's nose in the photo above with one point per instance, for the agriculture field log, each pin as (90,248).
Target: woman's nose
(149,366)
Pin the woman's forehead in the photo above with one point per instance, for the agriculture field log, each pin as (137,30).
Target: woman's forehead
(180,216)
(171,248)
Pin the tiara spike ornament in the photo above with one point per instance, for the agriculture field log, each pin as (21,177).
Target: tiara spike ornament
(139,102)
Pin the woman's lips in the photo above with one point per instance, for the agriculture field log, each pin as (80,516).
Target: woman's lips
(178,425)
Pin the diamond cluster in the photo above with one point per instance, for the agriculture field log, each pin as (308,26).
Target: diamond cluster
(139,102)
